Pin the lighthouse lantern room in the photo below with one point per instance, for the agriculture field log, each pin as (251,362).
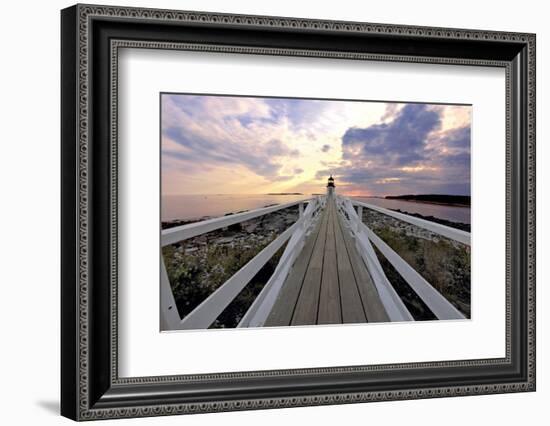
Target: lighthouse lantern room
(330,186)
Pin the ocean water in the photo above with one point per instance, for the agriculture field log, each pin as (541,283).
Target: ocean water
(452,213)
(193,207)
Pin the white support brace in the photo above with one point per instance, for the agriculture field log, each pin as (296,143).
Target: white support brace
(184,232)
(394,306)
(439,305)
(437,228)
(206,313)
(261,307)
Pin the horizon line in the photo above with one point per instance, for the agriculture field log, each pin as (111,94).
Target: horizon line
(317,193)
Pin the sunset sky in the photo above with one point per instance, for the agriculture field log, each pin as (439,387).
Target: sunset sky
(243,145)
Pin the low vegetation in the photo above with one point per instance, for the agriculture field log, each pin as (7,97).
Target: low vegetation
(445,264)
(200,265)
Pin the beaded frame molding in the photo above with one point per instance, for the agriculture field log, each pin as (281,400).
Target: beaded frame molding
(91,38)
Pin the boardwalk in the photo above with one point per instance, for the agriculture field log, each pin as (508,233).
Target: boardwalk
(329,282)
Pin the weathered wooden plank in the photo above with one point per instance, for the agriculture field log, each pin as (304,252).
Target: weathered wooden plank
(329,282)
(329,299)
(284,306)
(352,307)
(372,304)
(307,305)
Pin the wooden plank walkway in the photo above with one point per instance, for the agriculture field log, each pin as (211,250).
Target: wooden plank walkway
(329,282)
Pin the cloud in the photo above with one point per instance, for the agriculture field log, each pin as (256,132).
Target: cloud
(276,143)
(399,142)
(458,138)
(282,178)
(200,150)
(300,113)
(391,111)
(224,131)
(409,153)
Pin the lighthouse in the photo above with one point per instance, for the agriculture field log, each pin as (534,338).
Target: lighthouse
(330,186)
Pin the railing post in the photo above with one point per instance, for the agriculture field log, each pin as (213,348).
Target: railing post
(206,312)
(359,218)
(258,312)
(169,316)
(306,210)
(184,232)
(446,231)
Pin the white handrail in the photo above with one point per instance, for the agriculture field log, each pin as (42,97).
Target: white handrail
(436,302)
(169,316)
(394,306)
(258,312)
(439,305)
(184,232)
(452,233)
(206,313)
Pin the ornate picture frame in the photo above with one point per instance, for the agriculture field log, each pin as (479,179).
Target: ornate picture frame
(91,37)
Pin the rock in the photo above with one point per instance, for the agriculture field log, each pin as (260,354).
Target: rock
(224,240)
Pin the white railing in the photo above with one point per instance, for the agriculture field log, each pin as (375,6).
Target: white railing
(206,312)
(365,238)
(261,307)
(437,228)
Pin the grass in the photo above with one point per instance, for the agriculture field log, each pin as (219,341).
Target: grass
(445,265)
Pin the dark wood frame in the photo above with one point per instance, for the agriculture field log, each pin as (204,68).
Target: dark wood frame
(90,386)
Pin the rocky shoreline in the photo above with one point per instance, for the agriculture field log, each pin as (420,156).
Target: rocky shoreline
(439,199)
(443,262)
(198,266)
(457,225)
(246,234)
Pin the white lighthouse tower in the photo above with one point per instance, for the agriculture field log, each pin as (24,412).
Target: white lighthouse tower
(330,186)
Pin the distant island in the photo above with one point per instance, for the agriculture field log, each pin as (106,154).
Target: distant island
(284,193)
(449,200)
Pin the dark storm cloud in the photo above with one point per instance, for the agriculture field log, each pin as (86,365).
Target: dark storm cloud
(407,154)
(458,138)
(399,142)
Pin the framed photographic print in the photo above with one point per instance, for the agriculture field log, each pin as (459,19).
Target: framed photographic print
(263,212)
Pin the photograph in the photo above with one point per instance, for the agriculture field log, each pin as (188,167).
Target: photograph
(281,211)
